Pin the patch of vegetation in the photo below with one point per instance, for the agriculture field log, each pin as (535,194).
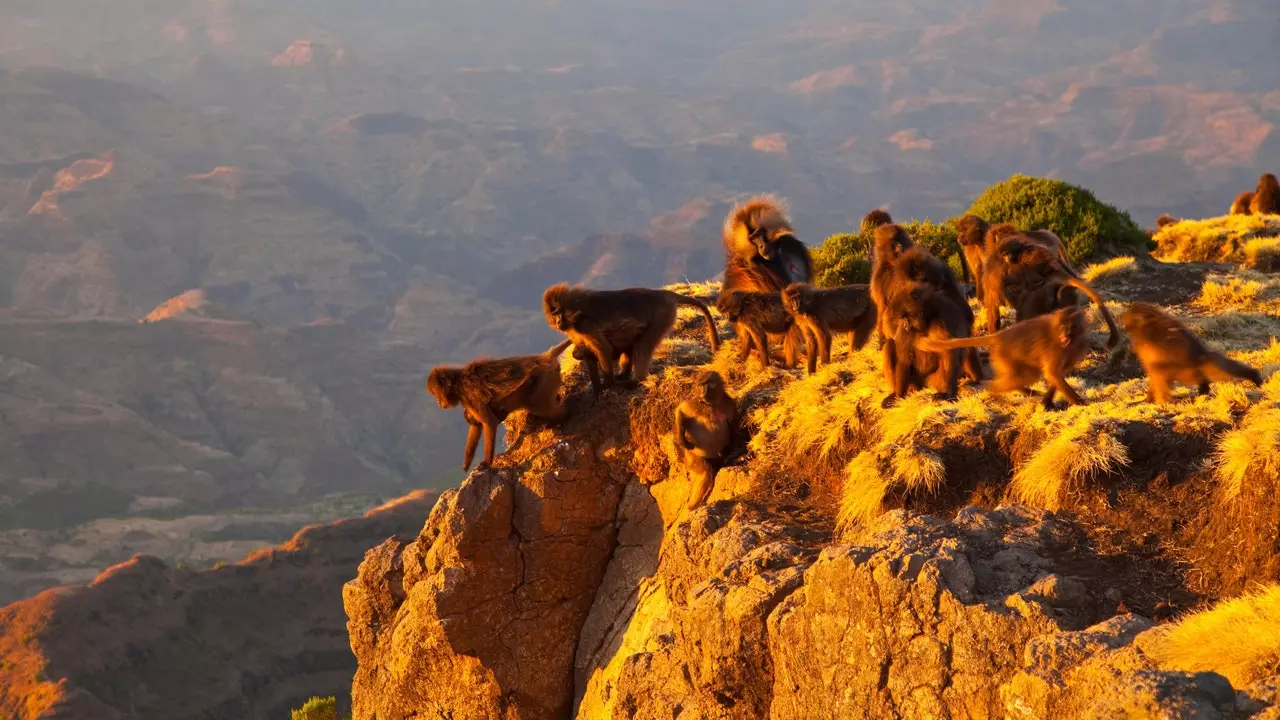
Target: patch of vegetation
(845,259)
(1238,639)
(1085,224)
(65,507)
(1115,267)
(1263,255)
(318,708)
(1222,239)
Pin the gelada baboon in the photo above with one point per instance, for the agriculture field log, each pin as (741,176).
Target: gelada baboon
(1241,204)
(918,311)
(704,429)
(821,312)
(756,316)
(1016,273)
(762,252)
(875,219)
(1170,352)
(583,354)
(1266,199)
(1047,346)
(971,235)
(1165,220)
(897,263)
(490,390)
(612,324)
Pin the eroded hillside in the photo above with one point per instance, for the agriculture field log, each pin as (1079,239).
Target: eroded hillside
(980,558)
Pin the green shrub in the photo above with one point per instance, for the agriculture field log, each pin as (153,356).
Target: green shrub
(317,708)
(845,259)
(1084,223)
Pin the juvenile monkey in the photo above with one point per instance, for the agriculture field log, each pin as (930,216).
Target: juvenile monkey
(971,235)
(583,354)
(757,315)
(1046,346)
(821,312)
(1170,353)
(490,390)
(612,324)
(875,219)
(703,430)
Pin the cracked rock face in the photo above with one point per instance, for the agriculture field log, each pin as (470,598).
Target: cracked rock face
(570,588)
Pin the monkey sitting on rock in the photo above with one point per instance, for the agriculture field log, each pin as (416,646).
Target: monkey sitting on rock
(703,430)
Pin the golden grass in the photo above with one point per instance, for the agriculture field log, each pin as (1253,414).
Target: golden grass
(1263,254)
(1114,267)
(1238,639)
(1062,465)
(1219,294)
(1250,453)
(1220,239)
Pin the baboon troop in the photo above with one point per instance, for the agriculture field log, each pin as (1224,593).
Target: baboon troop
(914,303)
(1263,200)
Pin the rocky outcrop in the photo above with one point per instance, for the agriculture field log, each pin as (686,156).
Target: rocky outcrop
(145,640)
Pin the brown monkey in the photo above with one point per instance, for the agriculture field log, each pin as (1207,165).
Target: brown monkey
(1045,346)
(583,354)
(1165,220)
(821,312)
(1240,206)
(619,323)
(875,219)
(762,252)
(756,316)
(971,234)
(1170,352)
(490,390)
(704,429)
(918,311)
(1266,199)
(1023,265)
(897,262)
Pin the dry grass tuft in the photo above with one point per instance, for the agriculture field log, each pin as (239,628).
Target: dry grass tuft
(1263,255)
(1238,639)
(1064,463)
(1220,239)
(1114,267)
(1219,294)
(1250,453)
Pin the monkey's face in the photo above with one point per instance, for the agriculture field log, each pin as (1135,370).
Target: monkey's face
(710,386)
(766,249)
(442,383)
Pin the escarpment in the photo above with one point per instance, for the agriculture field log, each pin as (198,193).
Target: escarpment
(144,640)
(983,558)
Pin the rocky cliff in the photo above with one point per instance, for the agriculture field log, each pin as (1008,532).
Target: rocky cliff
(145,640)
(827,580)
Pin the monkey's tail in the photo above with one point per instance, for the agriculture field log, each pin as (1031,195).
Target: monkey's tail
(558,350)
(712,336)
(759,211)
(1221,368)
(932,345)
(1106,314)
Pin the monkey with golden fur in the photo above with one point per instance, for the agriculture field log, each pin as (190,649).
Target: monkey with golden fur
(490,390)
(1046,346)
(821,312)
(612,324)
(916,312)
(757,316)
(1266,199)
(1240,206)
(1019,267)
(1170,353)
(704,429)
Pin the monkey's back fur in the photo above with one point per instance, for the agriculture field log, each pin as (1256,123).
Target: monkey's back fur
(1266,199)
(1169,351)
(1241,204)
